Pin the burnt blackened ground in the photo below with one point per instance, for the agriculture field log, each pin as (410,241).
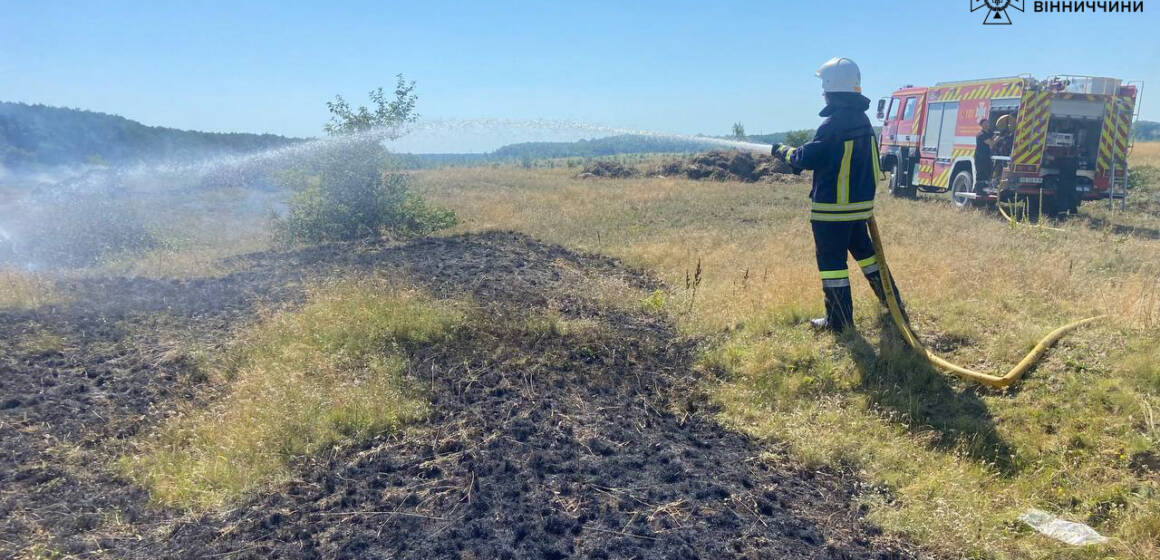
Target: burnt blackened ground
(586,440)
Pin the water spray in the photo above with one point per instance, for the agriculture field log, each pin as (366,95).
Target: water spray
(94,193)
(460,126)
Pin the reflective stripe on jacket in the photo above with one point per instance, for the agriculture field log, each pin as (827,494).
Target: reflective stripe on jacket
(844,158)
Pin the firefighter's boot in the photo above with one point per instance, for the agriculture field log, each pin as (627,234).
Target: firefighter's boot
(875,280)
(839,310)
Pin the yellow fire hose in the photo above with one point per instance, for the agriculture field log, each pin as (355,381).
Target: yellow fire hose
(1014,210)
(1023,207)
(1000,381)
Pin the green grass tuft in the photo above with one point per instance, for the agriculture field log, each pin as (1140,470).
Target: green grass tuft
(330,374)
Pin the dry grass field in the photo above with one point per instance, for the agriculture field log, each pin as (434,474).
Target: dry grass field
(1146,153)
(1143,204)
(950,464)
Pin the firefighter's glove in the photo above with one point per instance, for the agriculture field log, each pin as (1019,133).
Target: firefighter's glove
(781,151)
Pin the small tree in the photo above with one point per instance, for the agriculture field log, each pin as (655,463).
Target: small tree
(351,189)
(387,114)
(799,137)
(738,131)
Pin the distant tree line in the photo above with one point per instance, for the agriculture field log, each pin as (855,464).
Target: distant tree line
(1147,131)
(38,135)
(774,137)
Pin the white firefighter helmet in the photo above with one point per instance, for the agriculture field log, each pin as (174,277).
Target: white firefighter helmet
(840,74)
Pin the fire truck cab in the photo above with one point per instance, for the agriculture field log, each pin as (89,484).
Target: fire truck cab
(1069,142)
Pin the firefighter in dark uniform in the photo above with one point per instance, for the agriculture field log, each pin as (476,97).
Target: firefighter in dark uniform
(844,158)
(983,164)
(1002,147)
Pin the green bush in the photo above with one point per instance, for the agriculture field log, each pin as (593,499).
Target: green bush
(799,137)
(350,188)
(356,195)
(1144,178)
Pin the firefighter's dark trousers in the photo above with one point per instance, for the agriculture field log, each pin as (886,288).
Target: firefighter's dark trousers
(832,240)
(984,168)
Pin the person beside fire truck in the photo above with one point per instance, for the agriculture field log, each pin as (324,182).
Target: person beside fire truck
(983,142)
(1006,137)
(1002,148)
(844,158)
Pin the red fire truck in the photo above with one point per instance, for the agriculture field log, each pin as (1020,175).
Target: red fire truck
(1070,140)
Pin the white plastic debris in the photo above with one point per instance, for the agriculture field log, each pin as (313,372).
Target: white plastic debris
(1069,532)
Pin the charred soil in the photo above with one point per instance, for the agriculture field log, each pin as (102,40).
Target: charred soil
(587,441)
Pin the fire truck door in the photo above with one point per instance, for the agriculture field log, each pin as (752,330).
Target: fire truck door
(907,114)
(946,137)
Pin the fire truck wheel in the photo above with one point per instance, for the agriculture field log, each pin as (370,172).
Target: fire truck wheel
(964,183)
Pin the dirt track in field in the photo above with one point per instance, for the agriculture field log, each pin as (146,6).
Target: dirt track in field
(593,443)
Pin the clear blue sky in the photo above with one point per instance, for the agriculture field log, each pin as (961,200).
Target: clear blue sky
(690,67)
